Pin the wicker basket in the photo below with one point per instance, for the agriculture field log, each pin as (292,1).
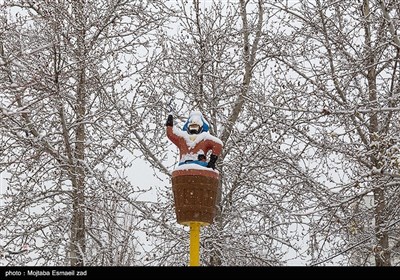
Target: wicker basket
(195,195)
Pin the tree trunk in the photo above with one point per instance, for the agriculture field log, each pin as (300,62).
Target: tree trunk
(381,250)
(78,246)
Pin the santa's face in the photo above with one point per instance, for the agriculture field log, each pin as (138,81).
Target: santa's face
(194,128)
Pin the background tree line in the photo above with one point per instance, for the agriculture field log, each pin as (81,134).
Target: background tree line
(303,94)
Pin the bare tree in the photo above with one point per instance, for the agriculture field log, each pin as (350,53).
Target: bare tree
(214,66)
(307,108)
(303,94)
(336,81)
(68,71)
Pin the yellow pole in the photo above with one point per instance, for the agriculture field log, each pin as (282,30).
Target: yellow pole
(194,244)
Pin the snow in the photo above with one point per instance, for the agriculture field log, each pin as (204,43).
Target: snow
(197,118)
(200,137)
(188,166)
(192,156)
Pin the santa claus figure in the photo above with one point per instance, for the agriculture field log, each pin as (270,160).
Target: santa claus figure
(194,141)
